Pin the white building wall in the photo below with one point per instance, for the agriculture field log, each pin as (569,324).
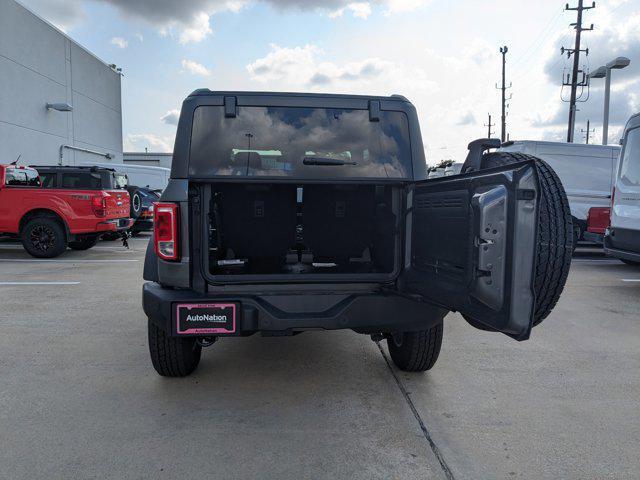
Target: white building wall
(40,65)
(149,159)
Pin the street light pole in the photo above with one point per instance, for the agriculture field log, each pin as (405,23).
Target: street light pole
(607,95)
(605,72)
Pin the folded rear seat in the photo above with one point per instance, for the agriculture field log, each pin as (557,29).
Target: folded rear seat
(258,221)
(338,221)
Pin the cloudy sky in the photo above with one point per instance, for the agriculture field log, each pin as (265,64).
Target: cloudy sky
(441,54)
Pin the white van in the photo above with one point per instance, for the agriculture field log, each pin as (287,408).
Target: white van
(622,238)
(587,173)
(155,178)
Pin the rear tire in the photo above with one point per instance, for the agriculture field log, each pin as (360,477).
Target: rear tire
(172,356)
(44,237)
(84,242)
(416,351)
(555,232)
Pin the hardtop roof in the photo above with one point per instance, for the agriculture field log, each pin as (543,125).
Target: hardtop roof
(205,92)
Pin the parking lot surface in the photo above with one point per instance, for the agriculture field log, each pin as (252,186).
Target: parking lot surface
(80,399)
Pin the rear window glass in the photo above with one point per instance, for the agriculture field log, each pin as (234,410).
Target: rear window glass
(630,167)
(82,180)
(49,179)
(300,142)
(21,177)
(120,181)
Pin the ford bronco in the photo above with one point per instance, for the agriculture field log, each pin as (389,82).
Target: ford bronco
(294,212)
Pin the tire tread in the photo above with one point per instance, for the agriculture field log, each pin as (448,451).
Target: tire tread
(555,232)
(170,356)
(419,350)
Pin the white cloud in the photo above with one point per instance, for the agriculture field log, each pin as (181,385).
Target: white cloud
(302,68)
(138,36)
(171,117)
(402,6)
(137,142)
(197,30)
(281,62)
(468,119)
(358,9)
(195,68)
(119,42)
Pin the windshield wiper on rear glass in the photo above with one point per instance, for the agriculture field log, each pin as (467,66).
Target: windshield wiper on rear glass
(326,161)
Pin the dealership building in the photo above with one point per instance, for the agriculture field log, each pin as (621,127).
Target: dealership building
(148,159)
(59,103)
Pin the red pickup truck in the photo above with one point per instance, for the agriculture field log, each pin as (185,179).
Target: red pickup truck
(47,221)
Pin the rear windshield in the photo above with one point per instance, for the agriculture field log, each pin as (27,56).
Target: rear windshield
(120,181)
(630,166)
(299,142)
(21,177)
(82,180)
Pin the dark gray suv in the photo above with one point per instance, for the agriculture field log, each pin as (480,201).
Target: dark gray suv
(293,212)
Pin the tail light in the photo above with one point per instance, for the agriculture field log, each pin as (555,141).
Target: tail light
(99,205)
(165,230)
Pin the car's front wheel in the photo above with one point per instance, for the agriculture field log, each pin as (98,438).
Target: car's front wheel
(416,351)
(173,356)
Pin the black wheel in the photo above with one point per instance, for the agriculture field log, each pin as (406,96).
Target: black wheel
(136,204)
(84,242)
(416,351)
(44,237)
(555,232)
(630,262)
(171,356)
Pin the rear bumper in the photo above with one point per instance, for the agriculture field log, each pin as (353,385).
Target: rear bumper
(285,314)
(622,243)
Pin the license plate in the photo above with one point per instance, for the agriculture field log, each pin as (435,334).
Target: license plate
(206,319)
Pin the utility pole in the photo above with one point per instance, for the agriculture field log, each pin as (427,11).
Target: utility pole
(573,81)
(489,125)
(503,134)
(588,131)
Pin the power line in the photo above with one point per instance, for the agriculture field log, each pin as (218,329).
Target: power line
(572,80)
(535,45)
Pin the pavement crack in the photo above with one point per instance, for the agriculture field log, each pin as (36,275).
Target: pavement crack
(425,432)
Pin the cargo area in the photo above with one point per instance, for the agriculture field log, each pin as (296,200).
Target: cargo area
(274,229)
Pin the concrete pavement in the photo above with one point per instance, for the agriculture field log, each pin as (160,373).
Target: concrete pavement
(80,399)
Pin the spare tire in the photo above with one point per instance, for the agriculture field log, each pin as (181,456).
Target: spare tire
(136,204)
(555,232)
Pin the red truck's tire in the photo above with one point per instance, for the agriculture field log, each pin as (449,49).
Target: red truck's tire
(84,242)
(171,356)
(44,237)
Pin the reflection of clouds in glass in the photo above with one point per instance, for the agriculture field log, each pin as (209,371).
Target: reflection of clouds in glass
(380,149)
